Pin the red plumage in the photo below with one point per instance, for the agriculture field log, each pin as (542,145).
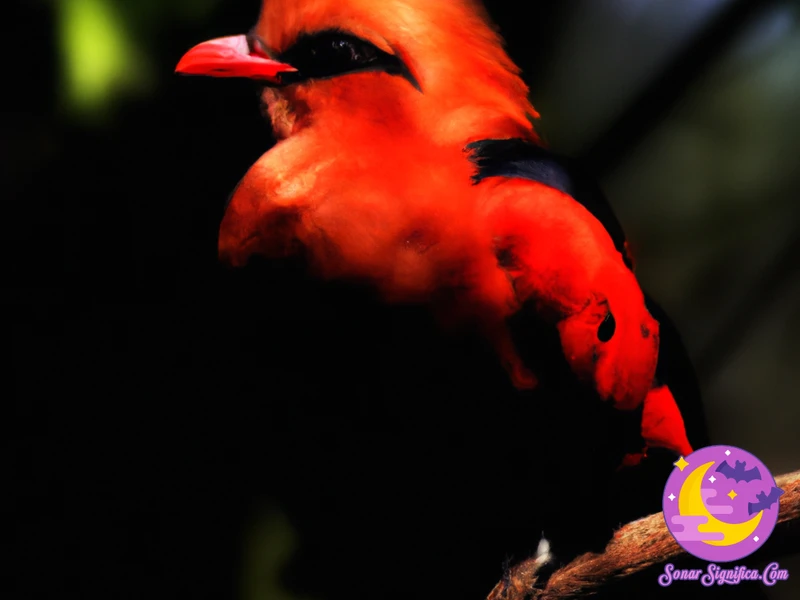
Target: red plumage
(372,179)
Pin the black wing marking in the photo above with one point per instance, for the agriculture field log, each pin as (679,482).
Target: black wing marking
(519,158)
(675,370)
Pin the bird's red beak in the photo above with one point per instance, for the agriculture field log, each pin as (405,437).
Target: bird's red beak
(231,57)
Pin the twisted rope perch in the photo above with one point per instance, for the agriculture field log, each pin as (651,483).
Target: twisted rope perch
(639,548)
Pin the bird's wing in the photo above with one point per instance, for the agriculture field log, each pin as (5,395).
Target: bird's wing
(521,159)
(516,158)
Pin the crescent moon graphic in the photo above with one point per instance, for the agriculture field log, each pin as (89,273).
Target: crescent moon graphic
(690,503)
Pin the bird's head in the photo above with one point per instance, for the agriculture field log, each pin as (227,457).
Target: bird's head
(613,343)
(411,65)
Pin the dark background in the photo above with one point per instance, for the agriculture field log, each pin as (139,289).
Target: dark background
(130,358)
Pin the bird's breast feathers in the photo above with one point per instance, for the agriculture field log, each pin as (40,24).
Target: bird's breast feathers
(413,222)
(411,219)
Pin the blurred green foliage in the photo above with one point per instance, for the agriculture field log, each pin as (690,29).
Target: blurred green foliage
(104,48)
(271,543)
(100,56)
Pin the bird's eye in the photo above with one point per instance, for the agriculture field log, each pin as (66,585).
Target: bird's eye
(344,48)
(607,328)
(354,51)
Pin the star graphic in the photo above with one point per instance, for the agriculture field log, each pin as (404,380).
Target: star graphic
(712,479)
(732,494)
(671,497)
(727,452)
(681,463)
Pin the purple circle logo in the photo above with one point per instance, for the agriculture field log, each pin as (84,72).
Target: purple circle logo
(721,503)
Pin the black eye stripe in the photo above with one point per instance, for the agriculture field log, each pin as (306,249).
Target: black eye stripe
(330,53)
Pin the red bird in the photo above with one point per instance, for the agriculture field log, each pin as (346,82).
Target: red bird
(408,159)
(379,109)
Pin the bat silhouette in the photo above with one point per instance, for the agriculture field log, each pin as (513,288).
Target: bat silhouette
(765,500)
(738,473)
